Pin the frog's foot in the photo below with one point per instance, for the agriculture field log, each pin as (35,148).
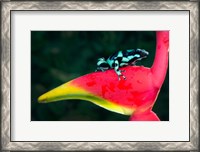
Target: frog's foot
(119,73)
(121,76)
(102,70)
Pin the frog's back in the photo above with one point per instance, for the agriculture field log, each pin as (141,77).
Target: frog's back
(113,56)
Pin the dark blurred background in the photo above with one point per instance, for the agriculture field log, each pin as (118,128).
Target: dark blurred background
(60,56)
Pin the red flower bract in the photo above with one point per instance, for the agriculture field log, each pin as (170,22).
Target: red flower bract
(136,91)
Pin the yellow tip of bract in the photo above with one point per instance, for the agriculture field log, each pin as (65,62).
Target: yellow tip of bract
(70,91)
(65,91)
(42,98)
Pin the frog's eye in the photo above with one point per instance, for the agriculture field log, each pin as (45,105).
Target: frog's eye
(142,52)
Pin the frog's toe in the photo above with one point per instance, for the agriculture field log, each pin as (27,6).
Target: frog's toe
(124,77)
(119,77)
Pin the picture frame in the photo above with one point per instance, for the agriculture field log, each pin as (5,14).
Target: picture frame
(7,8)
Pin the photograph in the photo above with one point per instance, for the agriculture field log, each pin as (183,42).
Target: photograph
(90,76)
(99,76)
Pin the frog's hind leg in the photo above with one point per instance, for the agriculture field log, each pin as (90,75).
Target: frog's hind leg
(133,63)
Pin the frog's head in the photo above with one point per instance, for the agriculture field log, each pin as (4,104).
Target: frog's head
(143,53)
(102,64)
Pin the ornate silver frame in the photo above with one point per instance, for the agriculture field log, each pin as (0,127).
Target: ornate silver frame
(8,6)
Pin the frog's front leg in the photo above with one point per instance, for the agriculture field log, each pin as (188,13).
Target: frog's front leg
(117,70)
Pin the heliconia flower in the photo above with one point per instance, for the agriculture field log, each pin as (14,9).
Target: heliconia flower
(134,96)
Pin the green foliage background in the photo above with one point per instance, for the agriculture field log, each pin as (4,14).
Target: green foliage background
(60,56)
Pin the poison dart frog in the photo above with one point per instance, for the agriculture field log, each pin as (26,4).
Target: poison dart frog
(121,59)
